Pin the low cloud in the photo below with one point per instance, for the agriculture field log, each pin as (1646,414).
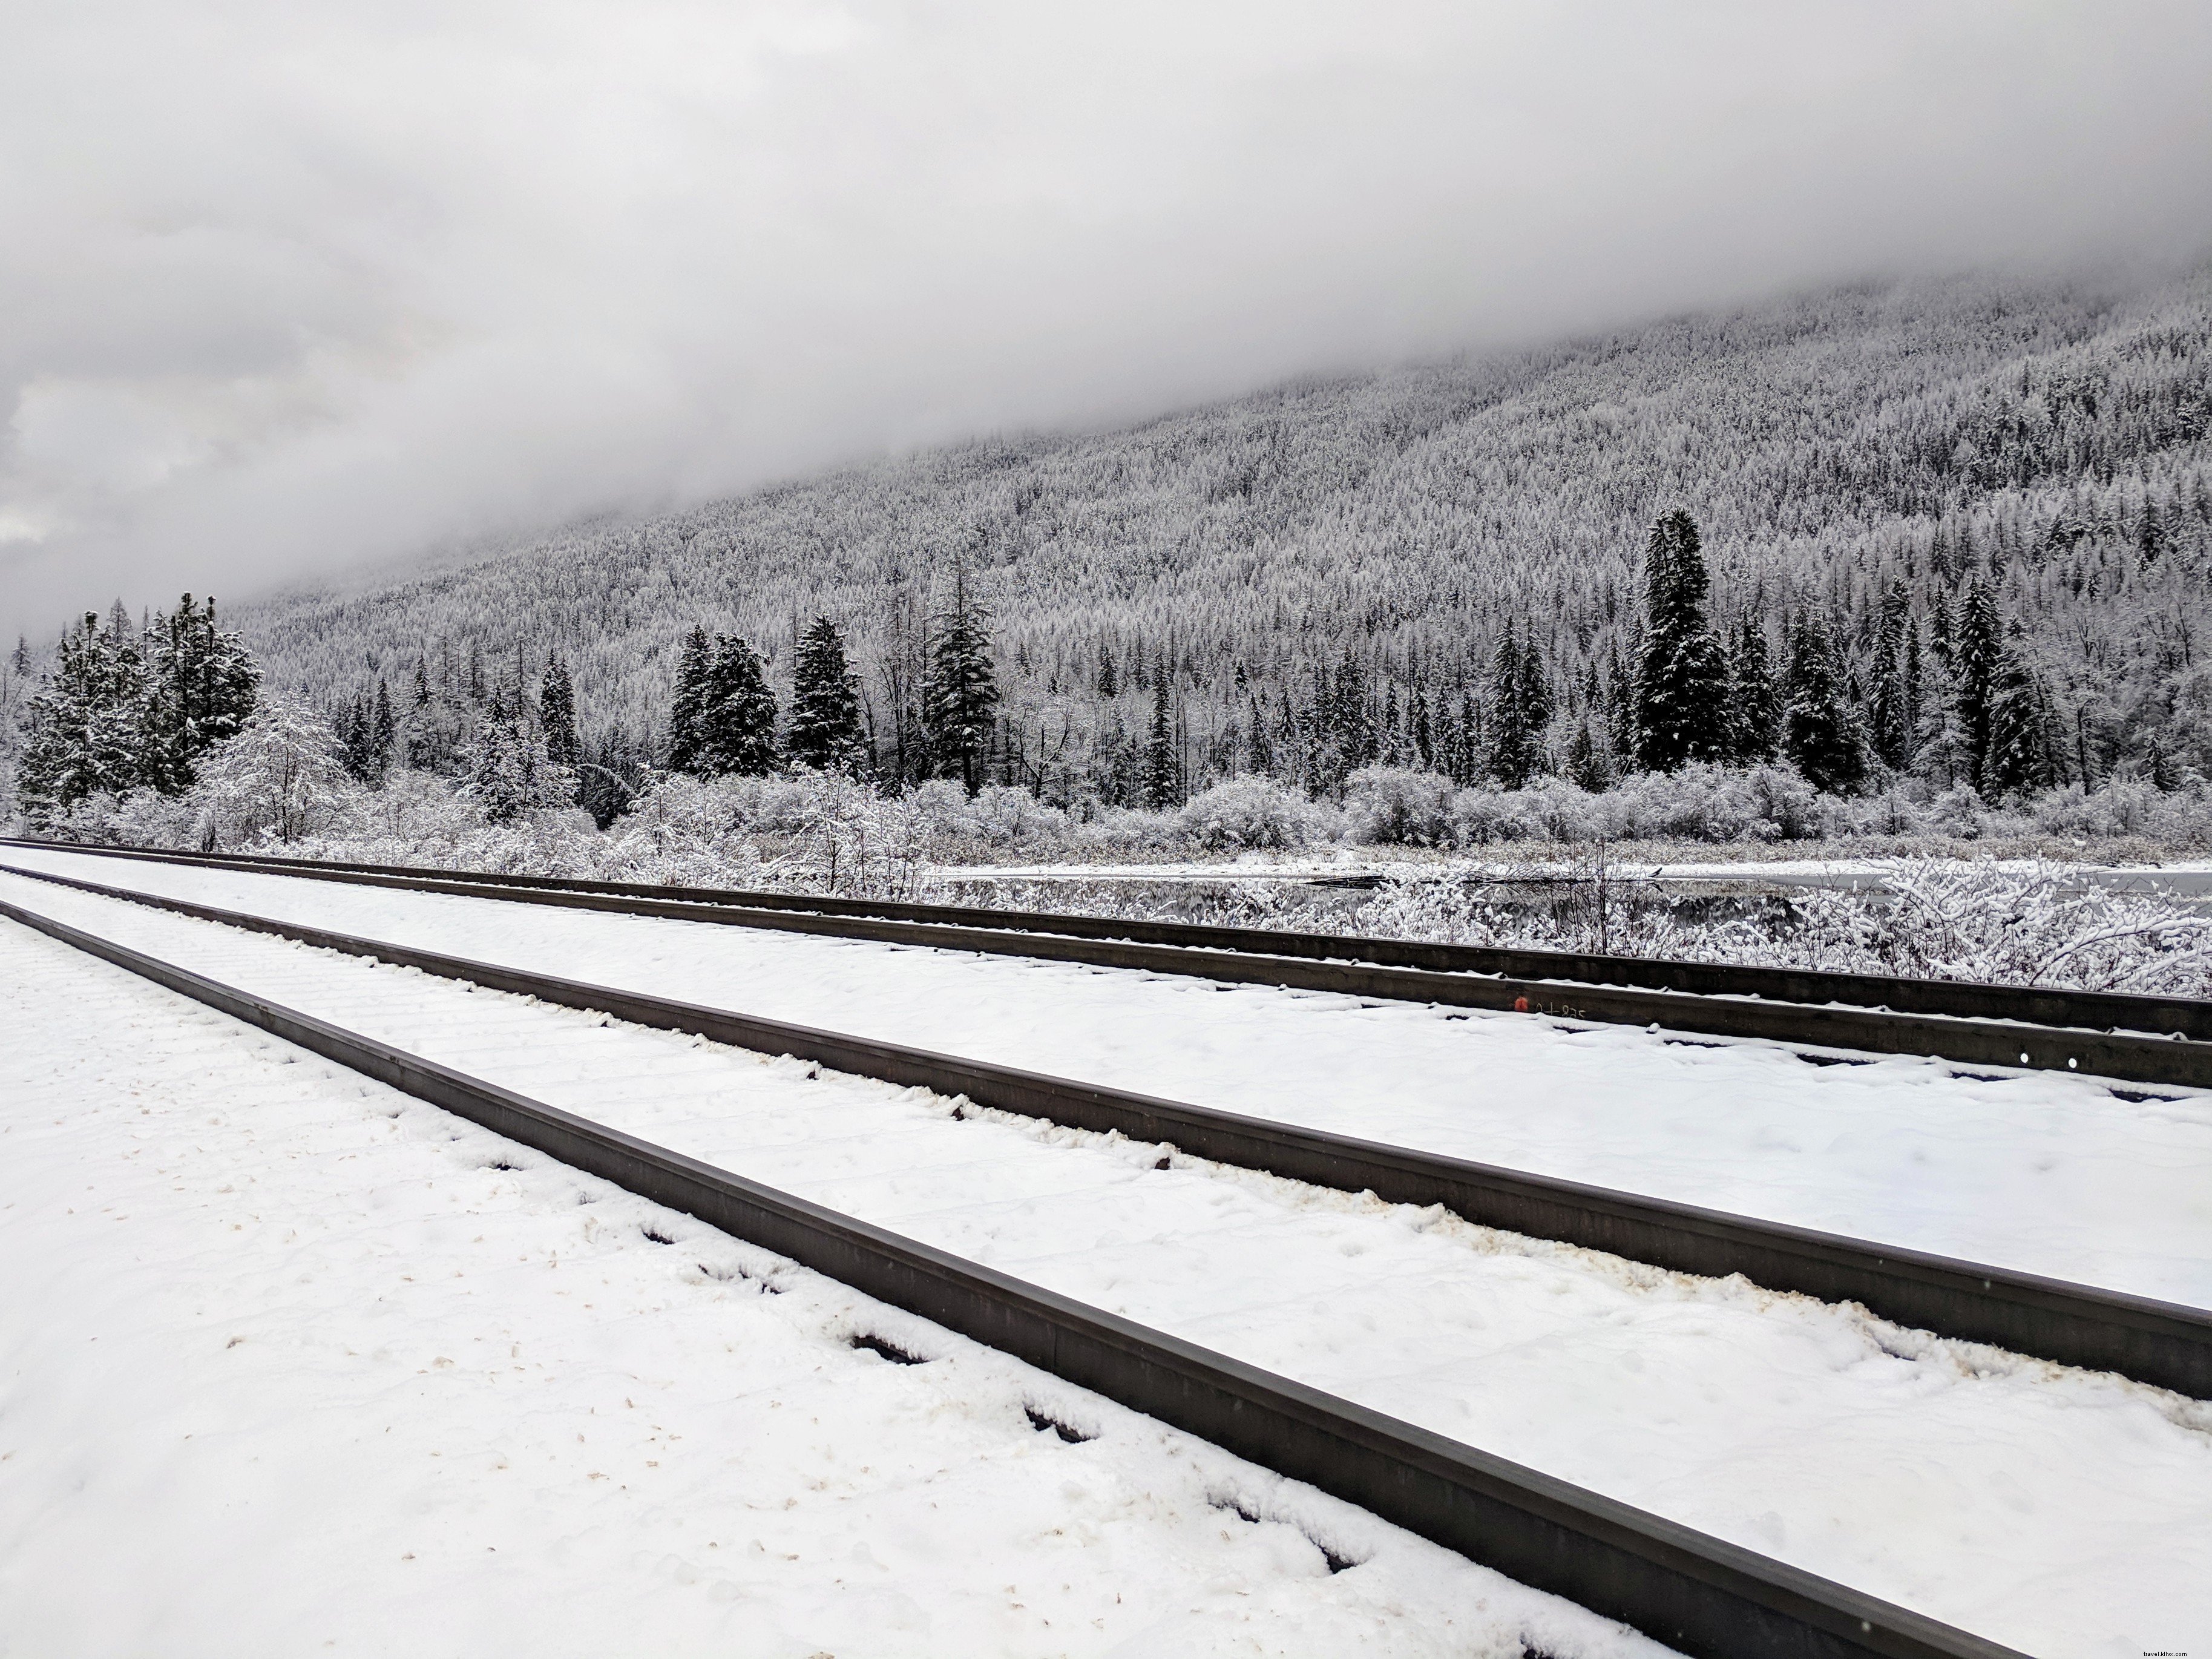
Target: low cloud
(285,289)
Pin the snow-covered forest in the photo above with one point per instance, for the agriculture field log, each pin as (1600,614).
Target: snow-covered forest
(1320,577)
(1894,563)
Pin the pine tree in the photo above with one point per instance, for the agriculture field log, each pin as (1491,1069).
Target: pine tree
(556,714)
(1681,682)
(384,738)
(961,702)
(84,727)
(1821,734)
(825,705)
(2019,756)
(1537,705)
(1109,685)
(1512,751)
(1586,764)
(506,767)
(1755,725)
(737,718)
(1160,790)
(1978,643)
(1895,735)
(355,738)
(686,739)
(203,684)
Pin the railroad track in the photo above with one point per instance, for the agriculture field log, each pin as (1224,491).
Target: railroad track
(2160,1343)
(1700,1593)
(2155,1040)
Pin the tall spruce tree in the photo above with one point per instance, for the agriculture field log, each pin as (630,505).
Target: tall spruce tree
(383,736)
(960,705)
(202,685)
(1895,719)
(737,721)
(85,726)
(1821,734)
(825,706)
(556,714)
(1682,680)
(1979,642)
(2019,757)
(1160,780)
(686,751)
(1755,704)
(1514,738)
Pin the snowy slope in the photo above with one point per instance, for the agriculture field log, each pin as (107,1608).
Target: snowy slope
(2053,1175)
(2012,1497)
(292,1366)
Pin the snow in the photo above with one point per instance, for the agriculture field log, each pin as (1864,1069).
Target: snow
(2058,1511)
(292,1366)
(2045,1173)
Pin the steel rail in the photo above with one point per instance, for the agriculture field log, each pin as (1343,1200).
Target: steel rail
(2094,1010)
(2164,1344)
(1701,1595)
(2118,1054)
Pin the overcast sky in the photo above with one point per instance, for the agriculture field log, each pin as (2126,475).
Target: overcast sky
(285,287)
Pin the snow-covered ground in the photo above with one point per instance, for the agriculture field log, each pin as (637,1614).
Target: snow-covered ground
(2051,1174)
(292,1366)
(2060,1512)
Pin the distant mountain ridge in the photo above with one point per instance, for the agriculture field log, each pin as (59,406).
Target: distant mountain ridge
(2056,438)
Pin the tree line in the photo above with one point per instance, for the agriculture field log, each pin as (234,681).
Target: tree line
(1333,570)
(124,708)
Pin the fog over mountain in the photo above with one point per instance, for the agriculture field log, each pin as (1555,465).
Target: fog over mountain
(285,290)
(2050,442)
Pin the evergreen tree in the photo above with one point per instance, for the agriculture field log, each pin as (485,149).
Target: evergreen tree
(1895,719)
(961,702)
(825,705)
(1979,642)
(1160,790)
(1586,764)
(2018,759)
(356,740)
(1681,682)
(1820,732)
(84,727)
(202,686)
(384,738)
(1537,705)
(1511,751)
(556,714)
(686,750)
(736,718)
(1521,708)
(1109,685)
(506,769)
(1755,705)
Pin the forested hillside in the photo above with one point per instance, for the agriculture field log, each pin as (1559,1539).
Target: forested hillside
(1320,575)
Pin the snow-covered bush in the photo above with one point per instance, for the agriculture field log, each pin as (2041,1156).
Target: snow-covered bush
(280,779)
(1395,806)
(1482,815)
(1707,803)
(1120,830)
(687,831)
(1549,809)
(1248,814)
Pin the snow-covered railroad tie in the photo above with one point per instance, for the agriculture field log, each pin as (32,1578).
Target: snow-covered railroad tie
(2158,1040)
(1779,1425)
(2164,1344)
